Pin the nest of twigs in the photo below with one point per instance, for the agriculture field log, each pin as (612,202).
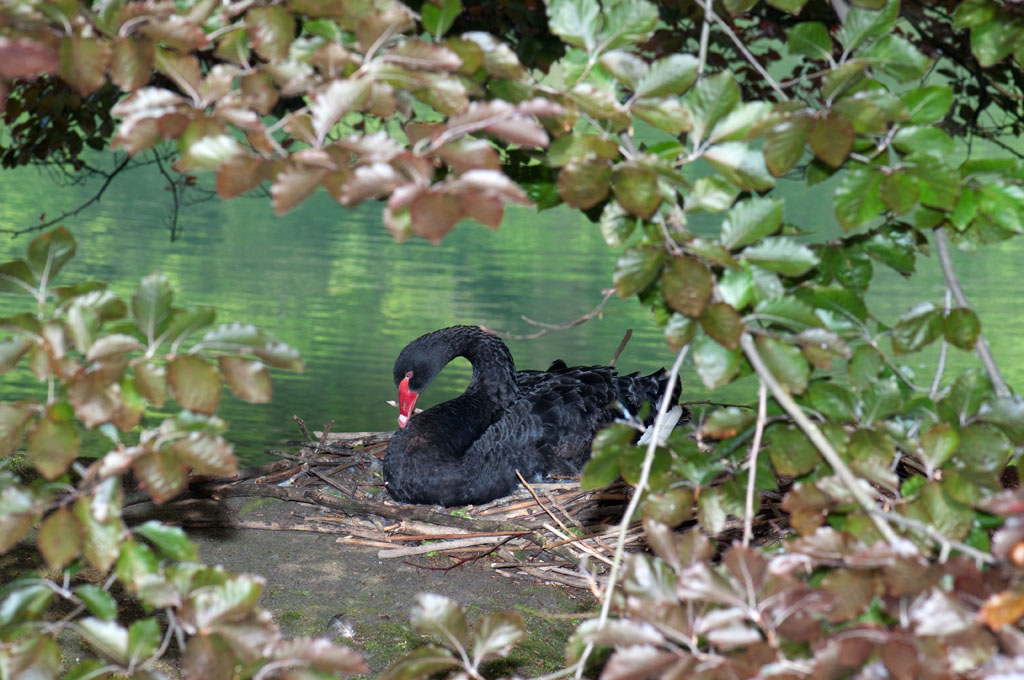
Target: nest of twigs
(555,532)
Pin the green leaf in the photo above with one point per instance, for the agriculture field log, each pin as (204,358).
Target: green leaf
(172,542)
(881,399)
(750,220)
(716,365)
(627,22)
(870,454)
(99,602)
(711,194)
(962,327)
(686,285)
(741,165)
(940,184)
(723,323)
(791,452)
(103,537)
(576,22)
(665,113)
(897,57)
(185,322)
(893,248)
(679,330)
(831,138)
(24,602)
(916,328)
(711,512)
(636,189)
(194,383)
(784,144)
(787,308)
(637,268)
(938,443)
(739,122)
(791,6)
(134,564)
(441,618)
(1008,414)
(735,7)
(438,19)
(49,252)
(616,224)
(108,638)
(970,389)
(609,445)
(861,24)
(710,101)
(723,423)
(151,305)
(144,638)
(496,634)
(16,277)
(781,254)
(271,30)
(834,401)
(422,662)
(625,67)
(928,104)
(971,13)
(671,75)
(584,184)
(810,39)
(736,287)
(899,192)
(992,41)
(853,269)
(845,78)
(785,362)
(858,197)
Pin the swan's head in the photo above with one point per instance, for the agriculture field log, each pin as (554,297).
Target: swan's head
(416,366)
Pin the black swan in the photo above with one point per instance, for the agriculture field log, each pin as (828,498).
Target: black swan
(467,450)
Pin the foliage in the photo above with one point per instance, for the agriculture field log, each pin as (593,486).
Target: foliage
(652,120)
(104,361)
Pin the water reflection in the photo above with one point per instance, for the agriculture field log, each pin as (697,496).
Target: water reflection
(332,283)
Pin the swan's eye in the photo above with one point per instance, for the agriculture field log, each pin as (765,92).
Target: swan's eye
(409,374)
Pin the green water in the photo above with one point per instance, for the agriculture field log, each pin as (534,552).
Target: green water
(331,282)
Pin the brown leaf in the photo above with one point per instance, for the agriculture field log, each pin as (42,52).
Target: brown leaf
(13,418)
(485,209)
(93,398)
(433,214)
(26,58)
(259,93)
(161,474)
(832,138)
(854,590)
(177,31)
(248,379)
(583,184)
(1002,609)
(371,181)
(131,65)
(491,182)
(239,174)
(466,153)
(686,284)
(60,538)
(183,69)
(337,99)
(151,383)
(83,62)
(53,443)
(194,383)
(293,185)
(271,30)
(209,454)
(420,55)
(723,323)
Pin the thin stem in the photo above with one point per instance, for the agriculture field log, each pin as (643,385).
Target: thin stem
(762,414)
(817,438)
(708,12)
(645,473)
(953,284)
(943,349)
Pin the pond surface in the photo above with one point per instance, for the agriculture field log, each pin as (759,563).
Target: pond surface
(331,282)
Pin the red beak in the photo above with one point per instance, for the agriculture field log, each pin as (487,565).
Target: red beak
(406,402)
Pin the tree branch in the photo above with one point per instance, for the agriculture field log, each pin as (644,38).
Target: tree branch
(762,415)
(817,438)
(953,284)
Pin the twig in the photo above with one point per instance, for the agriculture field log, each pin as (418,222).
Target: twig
(706,6)
(645,473)
(817,438)
(622,346)
(175,195)
(550,327)
(748,515)
(944,542)
(943,350)
(953,284)
(95,199)
(434,547)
